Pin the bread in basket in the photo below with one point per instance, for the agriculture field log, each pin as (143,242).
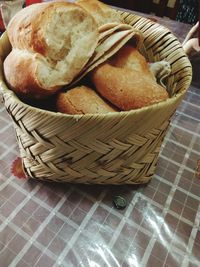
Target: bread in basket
(112,148)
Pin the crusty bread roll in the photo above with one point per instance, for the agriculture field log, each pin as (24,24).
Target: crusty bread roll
(82,100)
(22,73)
(130,58)
(51,44)
(101,12)
(127,82)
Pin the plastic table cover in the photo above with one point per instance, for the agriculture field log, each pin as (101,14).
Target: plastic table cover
(49,224)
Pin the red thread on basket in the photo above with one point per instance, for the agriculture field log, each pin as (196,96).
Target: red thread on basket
(17,169)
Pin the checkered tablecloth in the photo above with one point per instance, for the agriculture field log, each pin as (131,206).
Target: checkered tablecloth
(48,224)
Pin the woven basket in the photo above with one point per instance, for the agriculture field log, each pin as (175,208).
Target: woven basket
(115,148)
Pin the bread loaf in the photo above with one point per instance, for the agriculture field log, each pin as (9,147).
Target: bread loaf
(101,12)
(82,100)
(51,43)
(130,58)
(127,82)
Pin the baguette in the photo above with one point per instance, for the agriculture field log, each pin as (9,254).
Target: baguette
(51,44)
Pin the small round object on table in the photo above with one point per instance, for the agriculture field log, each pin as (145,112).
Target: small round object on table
(119,202)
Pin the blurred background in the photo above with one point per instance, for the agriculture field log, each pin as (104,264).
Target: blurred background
(181,10)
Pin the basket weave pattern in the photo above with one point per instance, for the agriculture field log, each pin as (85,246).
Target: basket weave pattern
(115,148)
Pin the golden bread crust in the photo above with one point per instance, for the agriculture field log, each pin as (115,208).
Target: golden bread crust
(82,100)
(130,58)
(125,88)
(26,85)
